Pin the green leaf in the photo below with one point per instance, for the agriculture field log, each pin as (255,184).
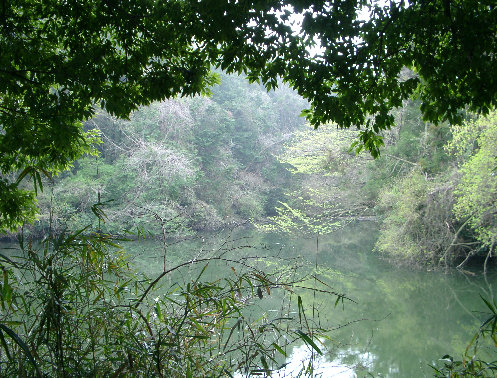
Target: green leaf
(23,346)
(308,341)
(279,349)
(264,363)
(23,174)
(158,311)
(259,293)
(300,308)
(489,305)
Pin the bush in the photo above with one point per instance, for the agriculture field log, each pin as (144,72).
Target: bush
(75,307)
(419,227)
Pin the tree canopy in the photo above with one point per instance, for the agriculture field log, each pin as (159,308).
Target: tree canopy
(59,61)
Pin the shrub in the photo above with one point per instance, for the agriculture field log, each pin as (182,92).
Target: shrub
(75,307)
(419,227)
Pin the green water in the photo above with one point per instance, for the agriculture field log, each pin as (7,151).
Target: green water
(402,321)
(399,321)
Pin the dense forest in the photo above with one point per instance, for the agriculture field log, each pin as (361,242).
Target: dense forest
(244,156)
(200,163)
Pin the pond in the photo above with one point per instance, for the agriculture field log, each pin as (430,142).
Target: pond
(400,320)
(397,322)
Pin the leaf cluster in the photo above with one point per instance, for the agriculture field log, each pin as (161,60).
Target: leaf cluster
(61,59)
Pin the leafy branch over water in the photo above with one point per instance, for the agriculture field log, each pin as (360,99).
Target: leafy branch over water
(473,364)
(75,306)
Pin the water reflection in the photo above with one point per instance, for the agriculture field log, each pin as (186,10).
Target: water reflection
(323,367)
(403,319)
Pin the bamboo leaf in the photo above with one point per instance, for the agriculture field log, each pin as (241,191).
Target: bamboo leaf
(300,307)
(259,293)
(308,341)
(5,346)
(489,305)
(23,174)
(158,311)
(23,346)
(279,349)
(38,178)
(264,363)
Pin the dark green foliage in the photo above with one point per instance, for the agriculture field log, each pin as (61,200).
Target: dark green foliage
(15,204)
(60,59)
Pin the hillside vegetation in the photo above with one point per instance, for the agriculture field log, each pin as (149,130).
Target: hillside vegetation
(197,163)
(244,156)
